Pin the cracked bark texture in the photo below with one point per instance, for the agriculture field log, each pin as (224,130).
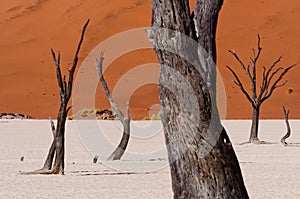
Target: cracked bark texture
(203,163)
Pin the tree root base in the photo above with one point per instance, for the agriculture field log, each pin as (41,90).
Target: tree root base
(256,141)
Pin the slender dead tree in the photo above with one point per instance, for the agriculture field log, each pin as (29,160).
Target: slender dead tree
(54,163)
(203,163)
(271,80)
(119,151)
(288,128)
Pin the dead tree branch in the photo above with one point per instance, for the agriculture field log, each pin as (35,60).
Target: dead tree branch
(288,128)
(240,84)
(125,120)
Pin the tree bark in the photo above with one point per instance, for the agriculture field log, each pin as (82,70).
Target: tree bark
(202,160)
(50,156)
(254,126)
(119,151)
(59,164)
(51,153)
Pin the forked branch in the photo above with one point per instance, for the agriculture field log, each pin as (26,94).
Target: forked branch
(238,82)
(268,91)
(259,48)
(246,70)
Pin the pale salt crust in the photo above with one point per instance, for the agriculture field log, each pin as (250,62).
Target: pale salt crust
(269,170)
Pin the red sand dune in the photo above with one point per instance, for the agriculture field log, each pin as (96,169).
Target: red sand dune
(30,28)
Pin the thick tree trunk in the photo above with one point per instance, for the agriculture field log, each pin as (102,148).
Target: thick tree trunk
(254,126)
(119,151)
(202,160)
(59,164)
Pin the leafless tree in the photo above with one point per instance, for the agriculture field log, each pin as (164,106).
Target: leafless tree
(54,163)
(200,168)
(125,120)
(271,80)
(288,128)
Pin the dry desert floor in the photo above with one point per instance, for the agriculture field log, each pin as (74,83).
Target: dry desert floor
(269,170)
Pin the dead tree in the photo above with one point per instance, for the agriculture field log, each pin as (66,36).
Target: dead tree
(54,163)
(288,128)
(271,80)
(119,151)
(200,168)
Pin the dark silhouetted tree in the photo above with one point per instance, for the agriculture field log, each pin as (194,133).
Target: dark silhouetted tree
(54,163)
(271,80)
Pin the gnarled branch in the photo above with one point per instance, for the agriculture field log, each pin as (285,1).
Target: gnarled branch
(239,83)
(247,71)
(269,91)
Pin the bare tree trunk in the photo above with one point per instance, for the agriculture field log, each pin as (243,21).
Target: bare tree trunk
(254,126)
(119,151)
(59,164)
(49,160)
(288,128)
(202,160)
(57,150)
(50,156)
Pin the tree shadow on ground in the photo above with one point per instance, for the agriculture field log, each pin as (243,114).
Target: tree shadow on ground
(107,173)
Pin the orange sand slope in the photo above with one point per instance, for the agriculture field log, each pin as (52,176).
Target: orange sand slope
(30,28)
